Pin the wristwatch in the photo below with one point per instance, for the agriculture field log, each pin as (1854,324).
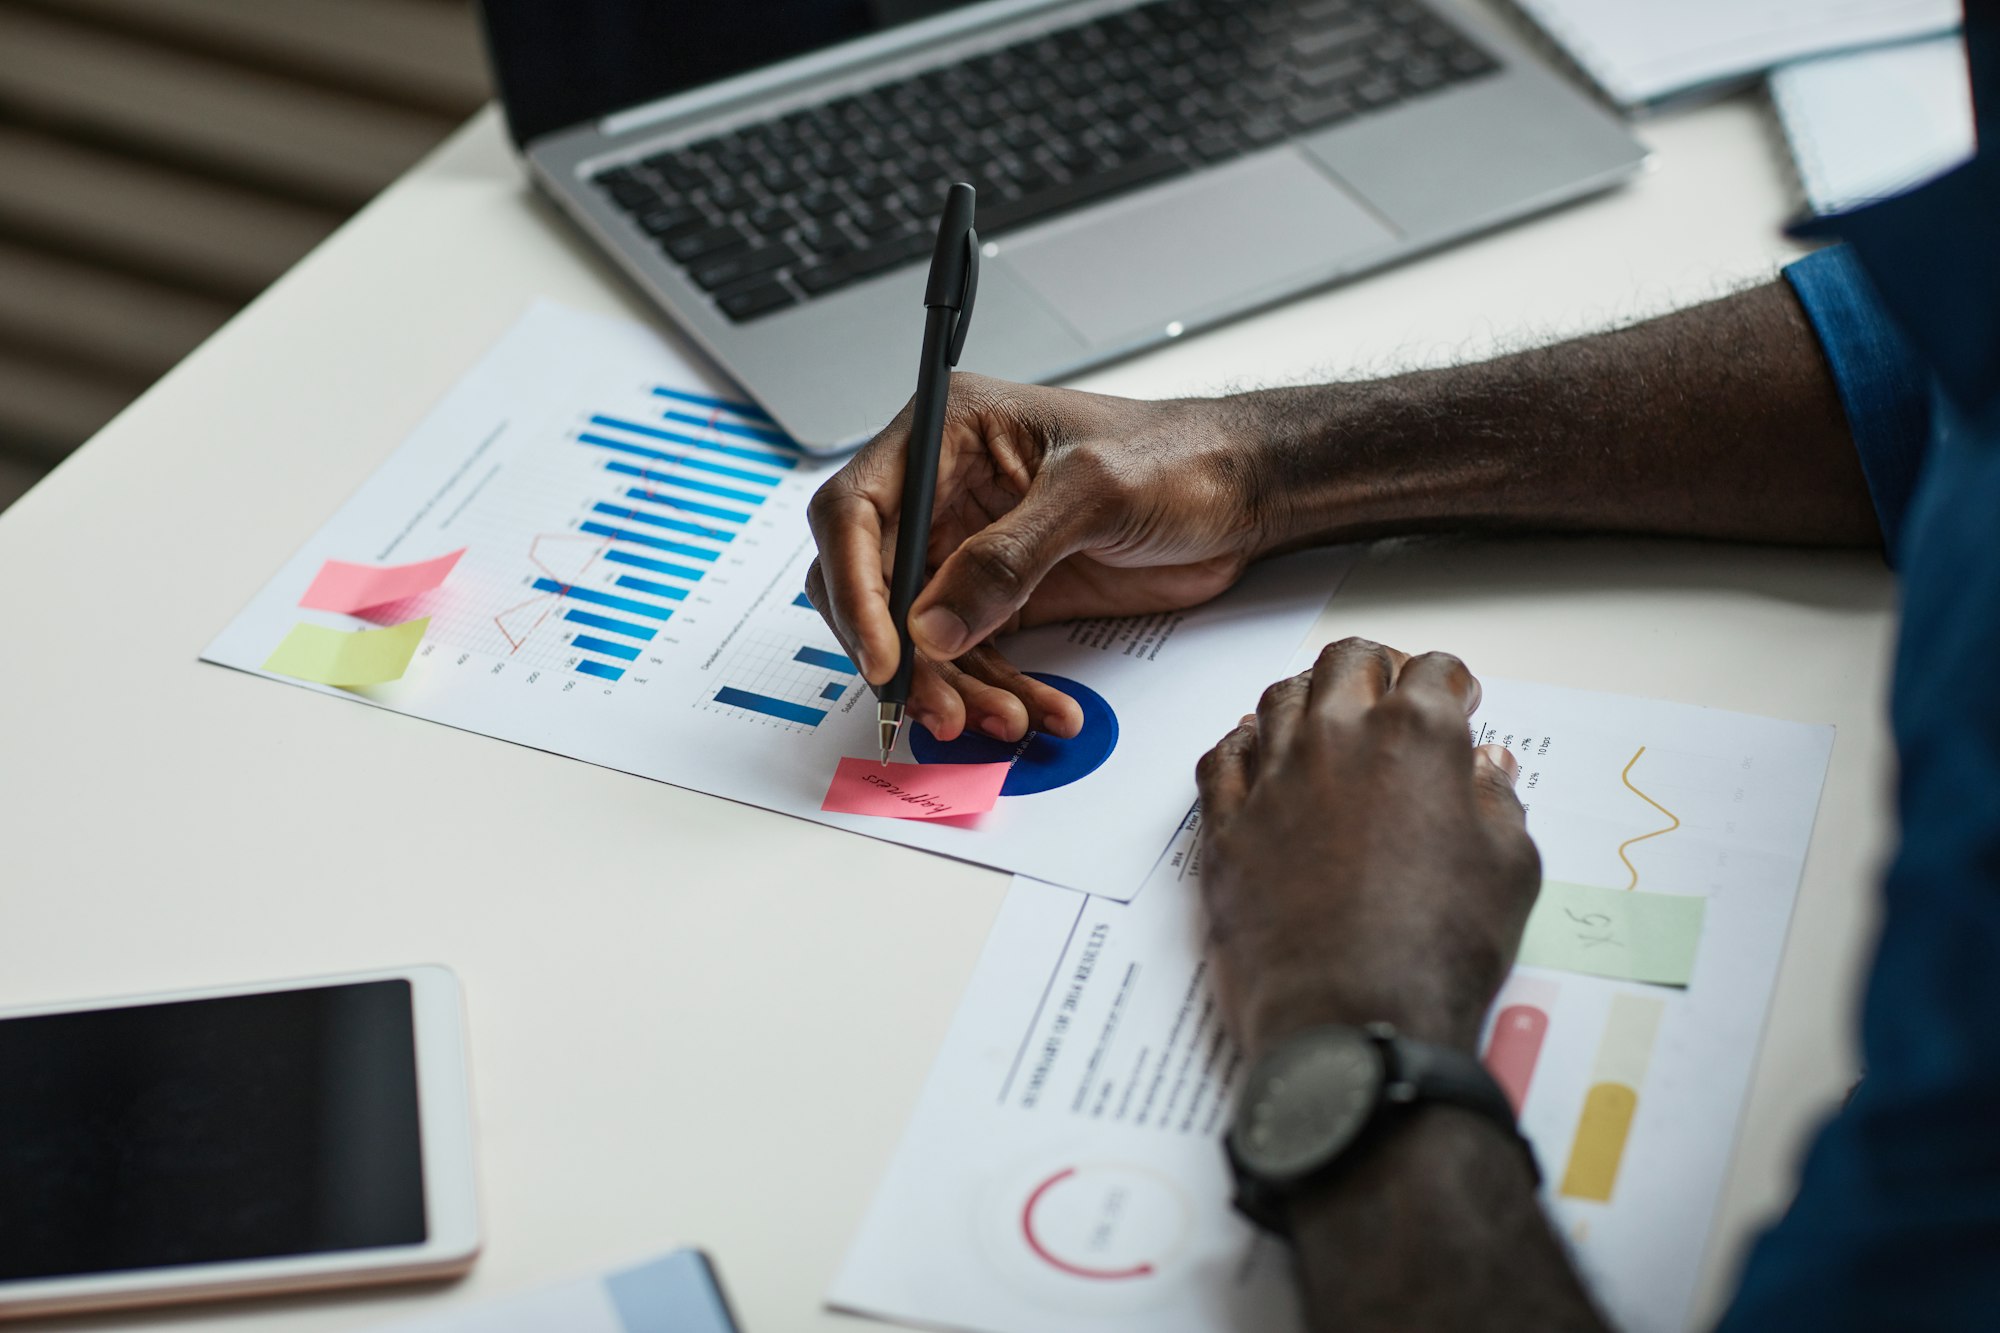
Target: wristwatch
(1317,1096)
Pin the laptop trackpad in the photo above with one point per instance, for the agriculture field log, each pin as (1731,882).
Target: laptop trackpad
(1225,238)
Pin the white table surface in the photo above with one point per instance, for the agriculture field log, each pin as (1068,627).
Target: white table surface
(694,1021)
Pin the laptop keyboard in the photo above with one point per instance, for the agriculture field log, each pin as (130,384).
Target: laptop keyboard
(806,203)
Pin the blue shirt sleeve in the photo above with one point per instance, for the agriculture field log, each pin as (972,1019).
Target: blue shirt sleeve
(1884,388)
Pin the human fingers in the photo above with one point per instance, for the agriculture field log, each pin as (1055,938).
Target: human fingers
(847,516)
(1041,707)
(1280,710)
(980,586)
(1350,677)
(1445,675)
(1495,775)
(1224,775)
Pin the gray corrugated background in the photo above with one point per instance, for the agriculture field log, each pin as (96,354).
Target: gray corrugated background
(161,161)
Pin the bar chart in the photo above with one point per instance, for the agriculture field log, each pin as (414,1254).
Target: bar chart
(778,679)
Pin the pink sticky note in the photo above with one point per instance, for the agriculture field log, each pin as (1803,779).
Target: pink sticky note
(913,791)
(343,587)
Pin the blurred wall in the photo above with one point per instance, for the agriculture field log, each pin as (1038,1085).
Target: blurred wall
(161,161)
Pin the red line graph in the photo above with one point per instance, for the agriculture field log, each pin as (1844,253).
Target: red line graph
(548,601)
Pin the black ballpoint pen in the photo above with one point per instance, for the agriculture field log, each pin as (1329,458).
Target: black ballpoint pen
(947,314)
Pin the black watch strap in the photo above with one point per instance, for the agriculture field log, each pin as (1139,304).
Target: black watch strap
(1419,1071)
(1413,1072)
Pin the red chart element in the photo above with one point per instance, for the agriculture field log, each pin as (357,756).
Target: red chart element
(1517,1043)
(1056,1262)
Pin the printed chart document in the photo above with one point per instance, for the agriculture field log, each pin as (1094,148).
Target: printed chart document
(632,594)
(1063,1170)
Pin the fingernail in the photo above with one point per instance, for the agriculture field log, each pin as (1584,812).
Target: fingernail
(1505,758)
(939,630)
(995,727)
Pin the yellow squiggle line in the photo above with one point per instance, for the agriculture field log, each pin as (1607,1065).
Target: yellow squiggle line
(1626,778)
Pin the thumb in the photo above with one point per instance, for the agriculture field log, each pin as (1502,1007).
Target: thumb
(993,572)
(1494,773)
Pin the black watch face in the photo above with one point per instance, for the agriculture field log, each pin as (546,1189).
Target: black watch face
(1306,1101)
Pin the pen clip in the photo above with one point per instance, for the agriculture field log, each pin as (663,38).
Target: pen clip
(964,320)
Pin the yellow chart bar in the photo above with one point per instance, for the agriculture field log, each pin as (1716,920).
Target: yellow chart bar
(1599,1145)
(1612,1102)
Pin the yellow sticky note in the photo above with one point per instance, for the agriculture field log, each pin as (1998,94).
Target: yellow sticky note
(1620,933)
(348,657)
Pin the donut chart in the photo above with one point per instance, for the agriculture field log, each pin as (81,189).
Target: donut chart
(1117,1228)
(1040,762)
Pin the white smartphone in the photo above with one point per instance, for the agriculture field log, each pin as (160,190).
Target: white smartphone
(235,1141)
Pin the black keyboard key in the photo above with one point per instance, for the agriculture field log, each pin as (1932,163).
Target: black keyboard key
(820,203)
(729,269)
(710,241)
(824,240)
(879,259)
(679,170)
(1316,79)
(626,189)
(1215,146)
(727,196)
(1262,131)
(770,220)
(1080,190)
(1317,113)
(870,221)
(663,222)
(754,299)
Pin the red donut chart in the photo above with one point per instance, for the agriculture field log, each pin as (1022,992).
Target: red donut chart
(1057,1262)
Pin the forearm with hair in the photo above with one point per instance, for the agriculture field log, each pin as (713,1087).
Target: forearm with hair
(1719,421)
(1436,1228)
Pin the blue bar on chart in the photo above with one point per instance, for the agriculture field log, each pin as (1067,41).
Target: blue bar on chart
(750,410)
(820,657)
(765,704)
(803,600)
(591,667)
(657,521)
(651,589)
(607,623)
(675,437)
(699,465)
(657,543)
(592,644)
(705,488)
(594,439)
(729,427)
(602,599)
(688,506)
(833,690)
(657,566)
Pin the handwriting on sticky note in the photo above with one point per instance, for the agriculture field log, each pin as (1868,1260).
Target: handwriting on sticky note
(913,791)
(1618,933)
(345,587)
(347,658)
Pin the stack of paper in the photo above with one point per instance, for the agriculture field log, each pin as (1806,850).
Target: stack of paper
(1873,123)
(1642,52)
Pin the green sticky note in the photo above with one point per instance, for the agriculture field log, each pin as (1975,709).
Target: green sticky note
(348,657)
(1620,933)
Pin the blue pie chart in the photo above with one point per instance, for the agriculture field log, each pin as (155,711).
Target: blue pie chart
(1041,762)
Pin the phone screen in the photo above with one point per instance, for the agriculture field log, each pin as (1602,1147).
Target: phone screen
(203,1131)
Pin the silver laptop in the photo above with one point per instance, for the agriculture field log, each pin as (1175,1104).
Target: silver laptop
(769,171)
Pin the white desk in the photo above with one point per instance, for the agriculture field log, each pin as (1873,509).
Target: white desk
(697,1021)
